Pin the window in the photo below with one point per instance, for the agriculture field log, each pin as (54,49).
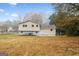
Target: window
(36,25)
(24,25)
(50,29)
(32,25)
(36,32)
(21,31)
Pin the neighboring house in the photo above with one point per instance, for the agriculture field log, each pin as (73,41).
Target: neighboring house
(12,30)
(32,28)
(7,29)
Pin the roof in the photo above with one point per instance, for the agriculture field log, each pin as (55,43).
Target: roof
(46,26)
(28,21)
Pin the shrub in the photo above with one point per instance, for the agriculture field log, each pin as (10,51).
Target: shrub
(72,29)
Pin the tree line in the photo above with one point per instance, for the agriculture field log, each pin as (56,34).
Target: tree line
(66,18)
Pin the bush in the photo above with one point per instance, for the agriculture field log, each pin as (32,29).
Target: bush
(72,29)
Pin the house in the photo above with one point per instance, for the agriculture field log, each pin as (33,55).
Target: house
(47,30)
(28,28)
(32,28)
(7,28)
(12,30)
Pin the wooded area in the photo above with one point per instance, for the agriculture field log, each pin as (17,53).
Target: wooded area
(66,18)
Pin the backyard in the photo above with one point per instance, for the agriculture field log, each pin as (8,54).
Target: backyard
(15,45)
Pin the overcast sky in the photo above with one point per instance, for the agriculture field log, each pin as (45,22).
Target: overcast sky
(8,11)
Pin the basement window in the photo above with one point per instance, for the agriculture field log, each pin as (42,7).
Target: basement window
(36,32)
(21,31)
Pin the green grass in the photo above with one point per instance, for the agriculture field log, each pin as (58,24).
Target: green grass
(6,36)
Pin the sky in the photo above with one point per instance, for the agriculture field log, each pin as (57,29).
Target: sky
(9,11)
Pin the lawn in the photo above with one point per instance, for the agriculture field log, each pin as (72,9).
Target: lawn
(15,45)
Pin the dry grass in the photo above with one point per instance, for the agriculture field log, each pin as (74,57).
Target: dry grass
(14,45)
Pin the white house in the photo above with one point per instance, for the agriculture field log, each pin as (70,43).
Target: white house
(32,28)
(47,30)
(12,30)
(28,28)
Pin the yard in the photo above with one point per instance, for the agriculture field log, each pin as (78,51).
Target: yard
(15,45)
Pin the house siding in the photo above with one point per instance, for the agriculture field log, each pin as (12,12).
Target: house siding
(29,27)
(47,32)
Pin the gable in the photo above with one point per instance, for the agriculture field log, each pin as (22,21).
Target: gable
(28,23)
(29,26)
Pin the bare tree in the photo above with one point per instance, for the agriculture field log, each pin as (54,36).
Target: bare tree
(34,17)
